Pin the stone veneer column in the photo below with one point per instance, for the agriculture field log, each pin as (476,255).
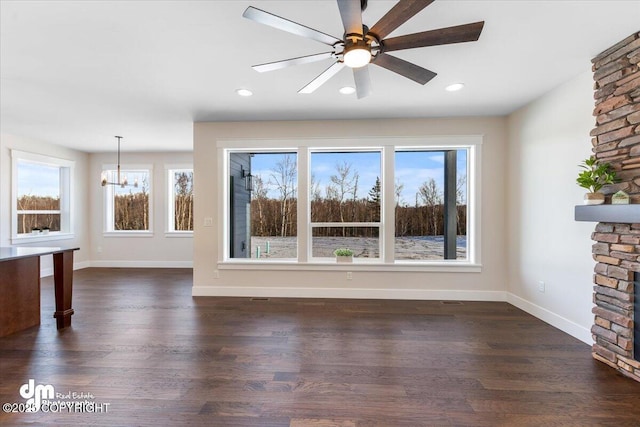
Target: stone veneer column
(616,139)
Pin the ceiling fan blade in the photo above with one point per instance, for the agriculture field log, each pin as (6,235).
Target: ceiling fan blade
(404,68)
(398,15)
(449,35)
(322,78)
(271,66)
(363,81)
(351,14)
(283,24)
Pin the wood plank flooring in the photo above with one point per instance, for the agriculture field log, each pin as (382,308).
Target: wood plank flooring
(160,357)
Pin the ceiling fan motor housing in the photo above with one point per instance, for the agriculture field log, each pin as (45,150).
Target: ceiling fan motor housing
(366,43)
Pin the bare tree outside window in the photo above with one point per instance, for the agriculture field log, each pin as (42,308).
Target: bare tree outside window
(183,200)
(283,177)
(431,197)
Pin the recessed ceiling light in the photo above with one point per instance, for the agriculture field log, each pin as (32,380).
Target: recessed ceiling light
(347,90)
(244,92)
(454,87)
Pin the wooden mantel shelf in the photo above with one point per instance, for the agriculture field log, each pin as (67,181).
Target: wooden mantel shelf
(629,214)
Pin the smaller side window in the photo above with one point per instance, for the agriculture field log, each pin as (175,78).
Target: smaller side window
(128,206)
(180,206)
(41,195)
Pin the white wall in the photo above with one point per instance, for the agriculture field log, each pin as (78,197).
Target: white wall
(156,250)
(548,138)
(80,217)
(211,278)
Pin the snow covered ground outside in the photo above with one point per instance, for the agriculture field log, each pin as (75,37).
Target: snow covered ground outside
(406,248)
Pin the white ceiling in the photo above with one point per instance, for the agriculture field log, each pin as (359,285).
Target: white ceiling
(76,73)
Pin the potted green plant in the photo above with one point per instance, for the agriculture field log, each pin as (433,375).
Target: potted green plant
(35,230)
(593,177)
(45,230)
(343,255)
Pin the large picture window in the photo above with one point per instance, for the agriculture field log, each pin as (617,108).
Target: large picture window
(42,196)
(128,208)
(403,204)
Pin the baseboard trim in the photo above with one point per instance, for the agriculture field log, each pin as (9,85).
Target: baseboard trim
(555,320)
(141,264)
(81,265)
(46,272)
(354,293)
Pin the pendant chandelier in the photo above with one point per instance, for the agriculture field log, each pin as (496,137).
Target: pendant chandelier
(119,182)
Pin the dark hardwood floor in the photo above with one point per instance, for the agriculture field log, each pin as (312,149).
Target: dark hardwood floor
(158,357)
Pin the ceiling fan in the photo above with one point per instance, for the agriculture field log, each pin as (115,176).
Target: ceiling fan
(361,45)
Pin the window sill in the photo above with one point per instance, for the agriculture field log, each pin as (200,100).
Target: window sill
(178,234)
(281,265)
(36,238)
(127,234)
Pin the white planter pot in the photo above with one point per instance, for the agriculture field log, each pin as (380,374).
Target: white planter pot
(344,258)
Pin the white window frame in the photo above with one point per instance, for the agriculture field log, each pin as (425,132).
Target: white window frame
(170,171)
(67,174)
(389,145)
(108,207)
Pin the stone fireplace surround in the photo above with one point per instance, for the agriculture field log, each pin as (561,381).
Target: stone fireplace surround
(616,139)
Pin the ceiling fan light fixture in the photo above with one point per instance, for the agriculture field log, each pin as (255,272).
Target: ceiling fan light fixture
(454,87)
(357,56)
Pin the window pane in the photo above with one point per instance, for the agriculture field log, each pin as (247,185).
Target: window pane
(345,187)
(39,180)
(263,203)
(183,200)
(27,222)
(363,241)
(131,204)
(38,188)
(461,203)
(419,212)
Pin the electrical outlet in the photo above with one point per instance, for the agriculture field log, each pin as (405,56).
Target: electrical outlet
(349,275)
(208,222)
(541,286)
(99,249)
(216,274)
